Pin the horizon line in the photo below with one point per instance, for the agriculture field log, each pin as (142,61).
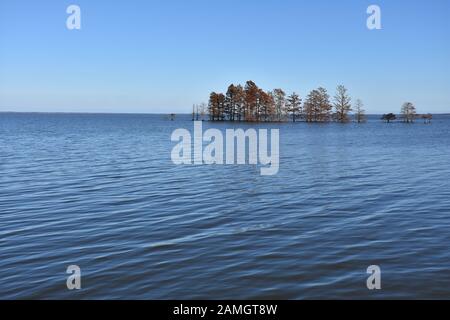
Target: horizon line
(168,113)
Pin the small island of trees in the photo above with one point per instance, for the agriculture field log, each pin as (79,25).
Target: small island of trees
(408,115)
(250,103)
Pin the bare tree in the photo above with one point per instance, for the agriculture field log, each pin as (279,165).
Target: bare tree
(325,106)
(280,103)
(202,110)
(360,113)
(342,104)
(408,112)
(294,103)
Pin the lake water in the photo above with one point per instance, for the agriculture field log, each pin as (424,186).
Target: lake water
(101,192)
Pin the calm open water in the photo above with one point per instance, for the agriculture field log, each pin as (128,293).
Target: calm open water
(101,192)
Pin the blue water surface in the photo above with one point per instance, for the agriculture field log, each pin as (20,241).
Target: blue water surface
(101,192)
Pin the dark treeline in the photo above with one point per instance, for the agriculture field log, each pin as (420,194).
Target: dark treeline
(252,104)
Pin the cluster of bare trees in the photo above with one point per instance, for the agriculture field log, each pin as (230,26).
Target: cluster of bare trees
(252,104)
(199,111)
(408,114)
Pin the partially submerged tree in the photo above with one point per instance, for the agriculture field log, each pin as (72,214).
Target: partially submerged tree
(251,101)
(310,107)
(267,106)
(216,106)
(280,104)
(342,104)
(389,117)
(294,106)
(408,112)
(324,106)
(201,111)
(233,102)
(317,107)
(427,118)
(360,113)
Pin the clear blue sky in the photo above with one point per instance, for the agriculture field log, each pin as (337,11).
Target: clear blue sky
(163,56)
